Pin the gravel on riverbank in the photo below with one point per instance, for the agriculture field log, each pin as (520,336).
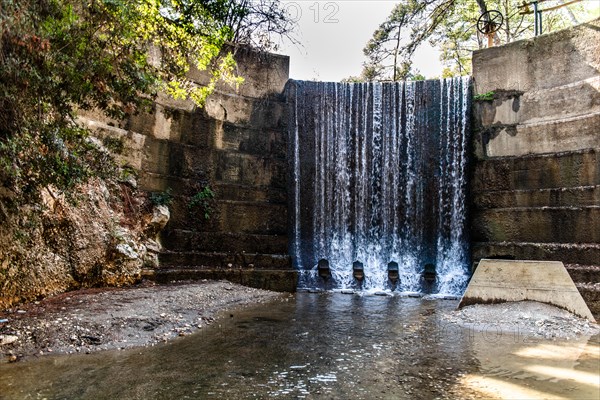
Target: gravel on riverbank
(101,319)
(526,317)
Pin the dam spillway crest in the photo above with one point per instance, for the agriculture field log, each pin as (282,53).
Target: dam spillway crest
(378,184)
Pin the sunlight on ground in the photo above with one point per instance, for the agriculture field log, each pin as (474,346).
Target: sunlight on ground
(585,378)
(556,351)
(544,370)
(496,388)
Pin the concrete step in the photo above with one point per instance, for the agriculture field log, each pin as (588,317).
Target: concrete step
(584,273)
(587,281)
(541,105)
(591,295)
(246,169)
(185,240)
(263,271)
(154,182)
(555,197)
(560,170)
(545,137)
(538,224)
(276,280)
(238,192)
(249,217)
(251,141)
(524,65)
(582,96)
(223,260)
(568,253)
(252,217)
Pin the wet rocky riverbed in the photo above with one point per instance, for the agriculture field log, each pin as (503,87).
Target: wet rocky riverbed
(326,346)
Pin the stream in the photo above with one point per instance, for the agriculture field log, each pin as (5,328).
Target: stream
(323,346)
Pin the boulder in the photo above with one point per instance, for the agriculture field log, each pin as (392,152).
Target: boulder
(160,217)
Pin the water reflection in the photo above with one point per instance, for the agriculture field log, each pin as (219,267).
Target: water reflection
(317,346)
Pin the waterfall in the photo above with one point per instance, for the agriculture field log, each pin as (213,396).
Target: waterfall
(378,175)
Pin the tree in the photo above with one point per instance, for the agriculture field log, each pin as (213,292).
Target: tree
(451,26)
(60,56)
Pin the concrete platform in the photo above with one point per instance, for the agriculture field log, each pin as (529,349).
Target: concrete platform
(498,281)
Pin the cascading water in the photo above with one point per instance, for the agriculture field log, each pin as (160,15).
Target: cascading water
(379,176)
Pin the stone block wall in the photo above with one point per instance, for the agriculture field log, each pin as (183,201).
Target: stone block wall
(536,180)
(236,146)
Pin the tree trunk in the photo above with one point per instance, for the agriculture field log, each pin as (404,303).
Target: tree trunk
(482,5)
(395,73)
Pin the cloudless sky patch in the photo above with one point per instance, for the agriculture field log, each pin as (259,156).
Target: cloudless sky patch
(332,35)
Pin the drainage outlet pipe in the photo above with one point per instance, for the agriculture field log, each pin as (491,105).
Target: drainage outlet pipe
(323,268)
(429,273)
(393,271)
(358,270)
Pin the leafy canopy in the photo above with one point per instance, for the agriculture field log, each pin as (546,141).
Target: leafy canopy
(60,56)
(449,25)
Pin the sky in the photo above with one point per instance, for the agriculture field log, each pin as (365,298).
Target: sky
(333,34)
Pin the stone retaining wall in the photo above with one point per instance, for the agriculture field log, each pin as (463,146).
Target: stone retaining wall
(536,179)
(236,146)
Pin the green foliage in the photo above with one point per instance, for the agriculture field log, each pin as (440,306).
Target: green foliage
(449,25)
(202,201)
(489,96)
(114,144)
(162,198)
(61,56)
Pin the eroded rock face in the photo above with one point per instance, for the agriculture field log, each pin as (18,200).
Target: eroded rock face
(160,217)
(98,241)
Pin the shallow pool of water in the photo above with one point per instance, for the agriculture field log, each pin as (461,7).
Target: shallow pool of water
(325,345)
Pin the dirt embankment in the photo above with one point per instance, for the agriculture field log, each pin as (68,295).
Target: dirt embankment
(100,319)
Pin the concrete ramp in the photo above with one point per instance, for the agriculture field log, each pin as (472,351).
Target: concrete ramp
(498,281)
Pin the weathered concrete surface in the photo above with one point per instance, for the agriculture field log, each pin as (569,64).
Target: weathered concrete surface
(545,62)
(546,94)
(535,187)
(235,145)
(497,281)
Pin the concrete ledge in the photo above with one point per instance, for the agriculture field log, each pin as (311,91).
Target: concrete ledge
(222,260)
(530,64)
(553,197)
(228,242)
(276,280)
(498,281)
(238,192)
(538,224)
(571,253)
(559,170)
(547,137)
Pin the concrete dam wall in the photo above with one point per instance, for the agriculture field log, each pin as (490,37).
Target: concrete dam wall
(535,186)
(235,146)
(534,183)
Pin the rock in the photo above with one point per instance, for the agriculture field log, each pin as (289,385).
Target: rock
(122,234)
(125,250)
(130,180)
(8,339)
(160,217)
(152,246)
(151,260)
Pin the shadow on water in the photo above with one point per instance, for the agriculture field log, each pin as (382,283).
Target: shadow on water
(315,346)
